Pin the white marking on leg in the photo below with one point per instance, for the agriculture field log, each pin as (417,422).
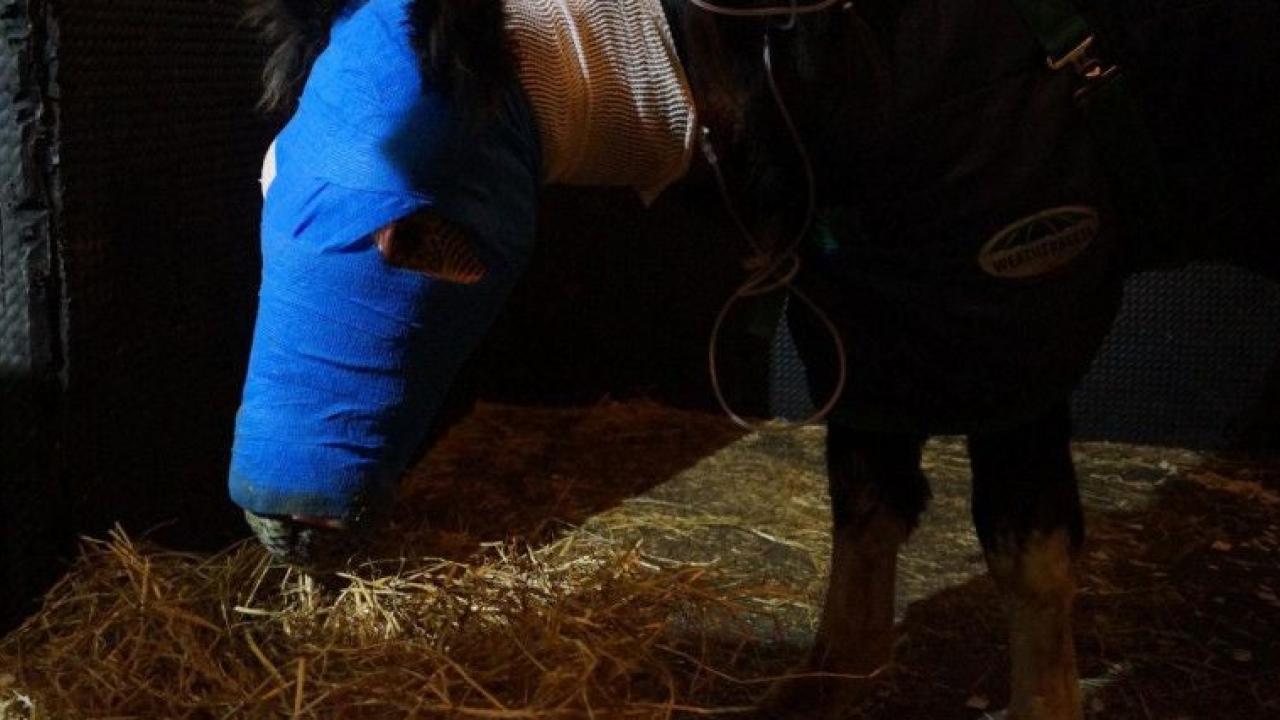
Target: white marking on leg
(1036,579)
(856,633)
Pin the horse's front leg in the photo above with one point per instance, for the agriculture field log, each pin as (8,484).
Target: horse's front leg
(1026,506)
(877,495)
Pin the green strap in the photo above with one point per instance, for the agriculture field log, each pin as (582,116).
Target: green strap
(1120,132)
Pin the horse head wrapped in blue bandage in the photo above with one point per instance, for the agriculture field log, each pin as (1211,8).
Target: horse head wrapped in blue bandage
(352,354)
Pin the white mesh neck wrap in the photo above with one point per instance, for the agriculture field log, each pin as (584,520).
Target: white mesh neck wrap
(612,102)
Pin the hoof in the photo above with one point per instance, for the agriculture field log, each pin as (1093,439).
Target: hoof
(311,547)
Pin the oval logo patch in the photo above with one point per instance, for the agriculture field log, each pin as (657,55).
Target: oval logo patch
(1041,243)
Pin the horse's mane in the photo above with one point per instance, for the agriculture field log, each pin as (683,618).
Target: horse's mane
(296,31)
(461,44)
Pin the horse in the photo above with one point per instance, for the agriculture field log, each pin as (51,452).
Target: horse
(939,130)
(965,204)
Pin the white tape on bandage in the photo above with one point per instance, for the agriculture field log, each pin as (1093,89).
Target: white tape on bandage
(268,169)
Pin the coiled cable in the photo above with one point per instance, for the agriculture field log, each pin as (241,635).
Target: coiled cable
(777,270)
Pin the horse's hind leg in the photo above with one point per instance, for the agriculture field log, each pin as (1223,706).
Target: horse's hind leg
(877,495)
(1026,506)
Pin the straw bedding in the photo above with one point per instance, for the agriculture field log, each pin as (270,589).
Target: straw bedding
(566,630)
(574,625)
(634,561)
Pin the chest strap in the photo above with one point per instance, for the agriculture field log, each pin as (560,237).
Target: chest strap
(1119,131)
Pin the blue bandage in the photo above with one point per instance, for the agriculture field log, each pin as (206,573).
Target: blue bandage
(352,356)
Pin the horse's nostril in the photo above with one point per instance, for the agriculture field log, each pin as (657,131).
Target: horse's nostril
(315,548)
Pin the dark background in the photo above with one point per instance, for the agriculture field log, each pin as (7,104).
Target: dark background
(129,151)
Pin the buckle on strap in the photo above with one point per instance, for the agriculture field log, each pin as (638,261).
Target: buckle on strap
(1089,68)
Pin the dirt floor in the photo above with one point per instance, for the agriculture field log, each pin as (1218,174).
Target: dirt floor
(1179,607)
